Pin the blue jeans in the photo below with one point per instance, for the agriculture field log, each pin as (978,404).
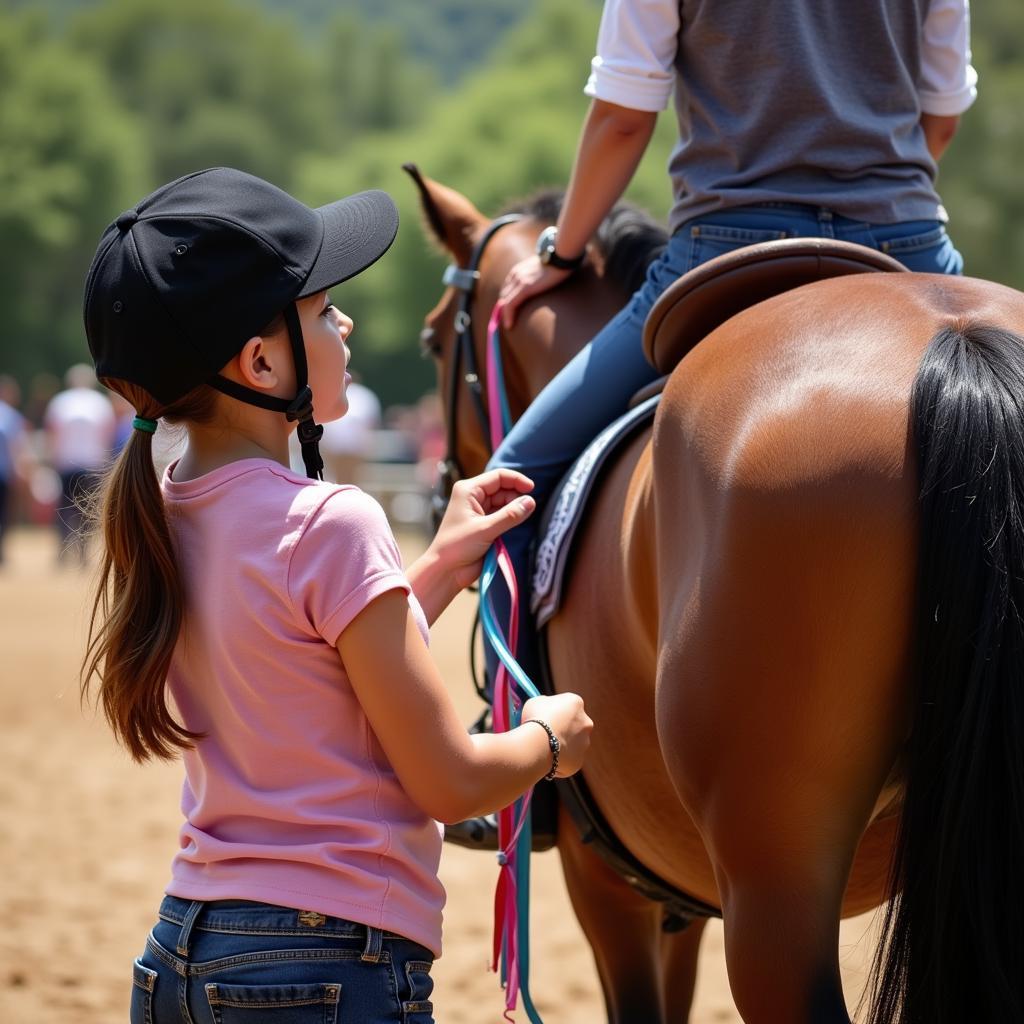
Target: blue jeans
(238,962)
(595,387)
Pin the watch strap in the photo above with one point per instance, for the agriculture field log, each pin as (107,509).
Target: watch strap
(564,264)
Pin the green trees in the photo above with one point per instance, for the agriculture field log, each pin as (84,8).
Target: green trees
(209,84)
(103,102)
(69,157)
(980,178)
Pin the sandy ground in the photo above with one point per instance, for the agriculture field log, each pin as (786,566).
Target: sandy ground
(88,838)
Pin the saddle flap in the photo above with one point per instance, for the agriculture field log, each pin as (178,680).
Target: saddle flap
(705,297)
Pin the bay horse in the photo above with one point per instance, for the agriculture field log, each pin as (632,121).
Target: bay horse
(795,616)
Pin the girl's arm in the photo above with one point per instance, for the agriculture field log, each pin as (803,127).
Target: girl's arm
(448,773)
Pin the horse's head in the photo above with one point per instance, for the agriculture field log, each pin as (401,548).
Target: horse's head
(549,330)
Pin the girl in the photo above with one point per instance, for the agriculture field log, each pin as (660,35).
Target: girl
(318,740)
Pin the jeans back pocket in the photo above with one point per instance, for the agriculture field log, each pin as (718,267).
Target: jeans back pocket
(417,1007)
(927,252)
(274,1004)
(143,985)
(710,240)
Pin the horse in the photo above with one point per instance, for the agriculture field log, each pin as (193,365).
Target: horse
(795,616)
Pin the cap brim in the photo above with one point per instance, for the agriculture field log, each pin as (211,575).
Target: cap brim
(358,230)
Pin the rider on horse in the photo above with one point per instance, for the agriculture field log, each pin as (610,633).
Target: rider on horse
(795,119)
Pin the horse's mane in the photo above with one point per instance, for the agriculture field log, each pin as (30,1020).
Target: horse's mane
(629,238)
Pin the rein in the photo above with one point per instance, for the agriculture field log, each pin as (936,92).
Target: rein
(512,896)
(511,944)
(465,280)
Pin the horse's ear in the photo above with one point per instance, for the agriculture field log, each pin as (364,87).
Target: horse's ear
(455,221)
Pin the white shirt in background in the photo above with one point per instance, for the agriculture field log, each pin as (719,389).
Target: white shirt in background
(80,425)
(353,433)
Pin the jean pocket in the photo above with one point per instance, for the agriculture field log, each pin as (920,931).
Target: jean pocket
(274,1004)
(910,243)
(710,240)
(143,985)
(927,252)
(417,1007)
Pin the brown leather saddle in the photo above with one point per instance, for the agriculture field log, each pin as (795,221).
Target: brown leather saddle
(707,296)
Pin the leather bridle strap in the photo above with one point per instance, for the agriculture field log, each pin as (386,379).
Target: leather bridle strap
(465,280)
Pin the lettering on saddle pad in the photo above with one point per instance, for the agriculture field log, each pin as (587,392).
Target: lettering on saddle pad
(567,508)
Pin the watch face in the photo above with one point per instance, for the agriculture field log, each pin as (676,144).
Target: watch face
(546,244)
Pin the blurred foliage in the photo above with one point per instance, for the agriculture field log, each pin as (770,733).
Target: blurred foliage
(505,133)
(70,155)
(453,36)
(980,180)
(101,102)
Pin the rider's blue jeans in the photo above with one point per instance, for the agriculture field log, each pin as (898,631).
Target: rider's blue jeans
(596,385)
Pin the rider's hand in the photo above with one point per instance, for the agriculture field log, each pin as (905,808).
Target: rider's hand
(481,509)
(565,714)
(527,278)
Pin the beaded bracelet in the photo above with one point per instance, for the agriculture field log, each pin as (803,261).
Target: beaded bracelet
(553,743)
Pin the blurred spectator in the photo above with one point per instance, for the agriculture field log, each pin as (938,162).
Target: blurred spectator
(402,430)
(431,436)
(124,413)
(41,388)
(13,450)
(80,428)
(347,443)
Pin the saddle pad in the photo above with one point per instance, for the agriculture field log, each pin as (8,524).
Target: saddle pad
(567,508)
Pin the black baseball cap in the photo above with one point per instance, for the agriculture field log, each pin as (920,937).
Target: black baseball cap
(184,278)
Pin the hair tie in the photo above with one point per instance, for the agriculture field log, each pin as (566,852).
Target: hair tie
(141,423)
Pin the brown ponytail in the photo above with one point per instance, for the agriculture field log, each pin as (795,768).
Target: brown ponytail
(140,601)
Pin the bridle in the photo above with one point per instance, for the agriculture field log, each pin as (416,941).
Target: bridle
(465,280)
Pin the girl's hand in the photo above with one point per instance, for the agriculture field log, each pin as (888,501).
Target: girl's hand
(481,509)
(527,278)
(571,724)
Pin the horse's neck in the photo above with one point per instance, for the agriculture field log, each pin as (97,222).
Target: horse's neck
(551,333)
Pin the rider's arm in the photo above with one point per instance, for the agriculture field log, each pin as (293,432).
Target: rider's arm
(939,132)
(631,80)
(612,143)
(450,774)
(948,83)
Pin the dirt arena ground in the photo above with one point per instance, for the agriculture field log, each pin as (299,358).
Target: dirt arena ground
(88,837)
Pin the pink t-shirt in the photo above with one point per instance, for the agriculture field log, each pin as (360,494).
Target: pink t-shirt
(289,798)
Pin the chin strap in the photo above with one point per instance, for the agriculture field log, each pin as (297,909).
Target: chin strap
(310,432)
(300,408)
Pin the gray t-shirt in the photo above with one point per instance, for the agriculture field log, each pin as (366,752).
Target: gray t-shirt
(802,101)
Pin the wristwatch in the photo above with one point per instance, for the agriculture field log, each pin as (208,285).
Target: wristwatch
(548,256)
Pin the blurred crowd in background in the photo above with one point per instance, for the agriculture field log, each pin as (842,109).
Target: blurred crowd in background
(58,437)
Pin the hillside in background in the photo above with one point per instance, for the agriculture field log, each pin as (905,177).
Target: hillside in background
(451,36)
(102,101)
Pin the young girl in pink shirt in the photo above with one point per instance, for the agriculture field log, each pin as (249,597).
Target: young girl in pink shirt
(321,749)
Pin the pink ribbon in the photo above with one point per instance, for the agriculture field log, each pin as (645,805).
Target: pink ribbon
(493,397)
(505,705)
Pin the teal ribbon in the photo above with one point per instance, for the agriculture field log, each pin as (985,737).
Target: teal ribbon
(147,426)
(524,844)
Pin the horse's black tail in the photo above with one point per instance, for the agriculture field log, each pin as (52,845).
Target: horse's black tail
(953,942)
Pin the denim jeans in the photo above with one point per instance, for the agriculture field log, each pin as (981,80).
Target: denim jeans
(595,387)
(239,962)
